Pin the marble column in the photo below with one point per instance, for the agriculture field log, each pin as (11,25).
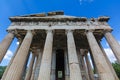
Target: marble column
(29,72)
(79,58)
(67,72)
(34,68)
(102,66)
(38,64)
(6,70)
(83,63)
(89,67)
(115,46)
(96,74)
(80,62)
(46,58)
(53,68)
(93,62)
(4,45)
(109,63)
(16,68)
(85,68)
(25,67)
(75,72)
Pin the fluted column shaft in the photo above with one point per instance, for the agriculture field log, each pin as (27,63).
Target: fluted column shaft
(29,72)
(75,73)
(110,65)
(102,66)
(67,72)
(115,46)
(15,70)
(80,58)
(4,45)
(25,67)
(45,68)
(90,71)
(84,67)
(34,68)
(38,64)
(6,70)
(53,68)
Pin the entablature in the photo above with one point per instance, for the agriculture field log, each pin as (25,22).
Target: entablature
(70,23)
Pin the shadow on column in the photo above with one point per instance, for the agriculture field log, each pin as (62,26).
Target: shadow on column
(60,72)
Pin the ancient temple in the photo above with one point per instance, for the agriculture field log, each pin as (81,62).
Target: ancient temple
(61,47)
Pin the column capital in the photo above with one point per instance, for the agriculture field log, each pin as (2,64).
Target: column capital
(84,51)
(20,40)
(34,50)
(31,31)
(89,30)
(50,31)
(105,31)
(69,30)
(11,31)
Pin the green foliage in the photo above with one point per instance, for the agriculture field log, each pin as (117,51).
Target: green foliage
(116,67)
(2,69)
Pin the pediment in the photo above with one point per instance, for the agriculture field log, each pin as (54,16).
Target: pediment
(56,14)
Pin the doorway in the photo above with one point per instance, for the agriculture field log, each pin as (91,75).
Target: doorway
(60,72)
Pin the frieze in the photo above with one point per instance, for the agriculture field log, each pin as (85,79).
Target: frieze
(87,23)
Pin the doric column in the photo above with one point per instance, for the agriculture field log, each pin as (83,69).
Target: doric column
(83,63)
(6,70)
(4,45)
(102,66)
(38,64)
(67,72)
(115,46)
(53,68)
(34,68)
(90,71)
(25,67)
(75,73)
(15,70)
(93,62)
(110,65)
(79,58)
(46,58)
(85,68)
(29,72)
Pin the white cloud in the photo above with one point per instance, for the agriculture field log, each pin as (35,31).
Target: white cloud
(80,2)
(84,1)
(107,44)
(110,54)
(8,55)
(17,43)
(119,42)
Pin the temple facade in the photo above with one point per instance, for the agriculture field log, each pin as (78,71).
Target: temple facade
(62,47)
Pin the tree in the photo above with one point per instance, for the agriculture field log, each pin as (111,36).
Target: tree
(2,69)
(116,67)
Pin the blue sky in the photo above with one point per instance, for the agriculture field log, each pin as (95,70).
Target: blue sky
(87,8)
